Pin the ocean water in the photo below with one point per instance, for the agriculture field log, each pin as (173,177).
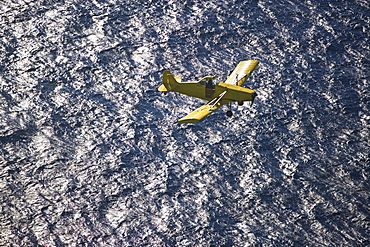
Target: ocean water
(91,154)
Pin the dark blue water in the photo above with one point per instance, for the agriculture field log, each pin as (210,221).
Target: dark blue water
(91,154)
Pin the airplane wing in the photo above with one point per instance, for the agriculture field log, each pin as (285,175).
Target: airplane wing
(204,110)
(242,72)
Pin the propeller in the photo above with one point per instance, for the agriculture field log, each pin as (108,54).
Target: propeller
(254,95)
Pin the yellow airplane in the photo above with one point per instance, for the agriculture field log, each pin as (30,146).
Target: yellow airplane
(217,95)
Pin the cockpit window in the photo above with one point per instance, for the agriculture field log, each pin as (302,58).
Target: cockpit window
(210,84)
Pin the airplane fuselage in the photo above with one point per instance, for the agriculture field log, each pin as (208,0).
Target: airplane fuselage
(202,91)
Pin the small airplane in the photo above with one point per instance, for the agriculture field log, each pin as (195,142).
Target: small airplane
(217,95)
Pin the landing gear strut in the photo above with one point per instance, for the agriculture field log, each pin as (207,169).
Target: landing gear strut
(229,113)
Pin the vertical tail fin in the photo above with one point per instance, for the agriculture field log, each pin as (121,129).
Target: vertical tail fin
(169,81)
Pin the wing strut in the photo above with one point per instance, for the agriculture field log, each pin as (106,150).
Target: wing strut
(216,100)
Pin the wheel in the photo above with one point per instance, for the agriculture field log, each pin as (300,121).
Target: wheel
(229,113)
(240,102)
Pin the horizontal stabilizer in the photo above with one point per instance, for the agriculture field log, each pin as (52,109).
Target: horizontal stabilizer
(162,88)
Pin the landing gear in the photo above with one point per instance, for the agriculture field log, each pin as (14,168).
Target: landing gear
(240,103)
(229,113)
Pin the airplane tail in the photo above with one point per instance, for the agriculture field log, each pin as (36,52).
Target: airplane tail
(169,82)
